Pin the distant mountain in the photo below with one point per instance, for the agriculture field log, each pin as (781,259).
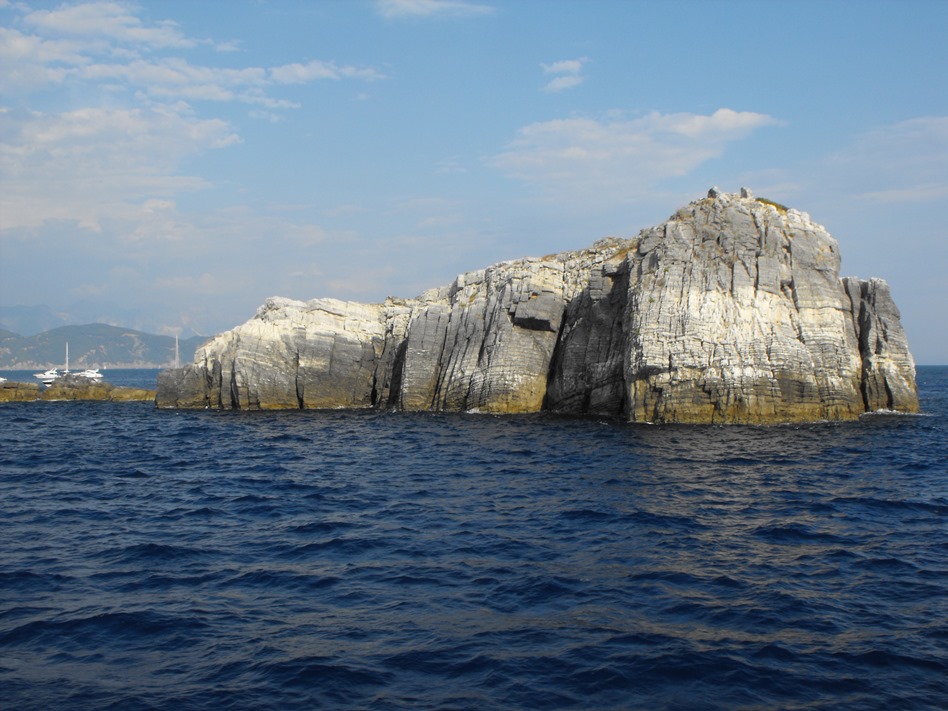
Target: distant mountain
(31,320)
(94,345)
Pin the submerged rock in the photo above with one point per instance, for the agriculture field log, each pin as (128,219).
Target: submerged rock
(730,311)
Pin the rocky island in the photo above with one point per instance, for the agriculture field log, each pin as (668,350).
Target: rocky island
(731,311)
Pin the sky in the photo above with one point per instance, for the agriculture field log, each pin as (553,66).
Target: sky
(167,165)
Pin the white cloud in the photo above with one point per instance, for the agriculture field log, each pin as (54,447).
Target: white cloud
(582,159)
(16,46)
(108,20)
(175,75)
(568,73)
(28,61)
(114,154)
(561,83)
(32,62)
(566,66)
(105,45)
(95,164)
(303,73)
(428,8)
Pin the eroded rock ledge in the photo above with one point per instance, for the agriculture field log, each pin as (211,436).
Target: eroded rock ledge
(72,387)
(731,311)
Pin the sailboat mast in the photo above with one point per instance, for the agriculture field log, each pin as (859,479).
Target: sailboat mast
(67,356)
(176,353)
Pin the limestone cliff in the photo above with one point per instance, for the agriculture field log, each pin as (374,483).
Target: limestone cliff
(730,311)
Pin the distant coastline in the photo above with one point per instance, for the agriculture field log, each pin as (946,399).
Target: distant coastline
(25,366)
(94,345)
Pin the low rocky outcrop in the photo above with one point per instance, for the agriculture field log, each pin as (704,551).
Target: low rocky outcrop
(730,311)
(11,391)
(72,387)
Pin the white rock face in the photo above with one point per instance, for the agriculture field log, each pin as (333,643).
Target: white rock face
(738,314)
(730,311)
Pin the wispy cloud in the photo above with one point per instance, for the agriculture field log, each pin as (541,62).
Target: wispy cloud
(108,20)
(315,70)
(105,43)
(132,119)
(591,161)
(431,8)
(164,257)
(97,177)
(905,162)
(566,74)
(95,164)
(28,61)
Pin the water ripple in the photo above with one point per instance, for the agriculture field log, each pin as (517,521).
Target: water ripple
(366,560)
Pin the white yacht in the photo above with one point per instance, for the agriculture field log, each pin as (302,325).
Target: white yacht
(49,376)
(52,375)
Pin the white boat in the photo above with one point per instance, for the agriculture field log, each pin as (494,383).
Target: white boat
(50,376)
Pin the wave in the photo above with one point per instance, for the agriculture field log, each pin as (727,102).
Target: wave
(399,561)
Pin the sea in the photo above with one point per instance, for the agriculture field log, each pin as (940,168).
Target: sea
(161,559)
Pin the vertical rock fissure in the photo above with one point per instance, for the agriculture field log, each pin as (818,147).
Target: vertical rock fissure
(234,392)
(862,339)
(398,368)
(300,402)
(730,311)
(210,385)
(552,370)
(439,394)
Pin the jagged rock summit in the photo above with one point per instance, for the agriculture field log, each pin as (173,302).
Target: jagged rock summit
(730,311)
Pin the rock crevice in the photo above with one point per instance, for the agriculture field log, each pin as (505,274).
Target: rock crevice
(730,311)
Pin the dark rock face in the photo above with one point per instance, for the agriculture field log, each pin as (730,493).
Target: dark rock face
(730,311)
(588,367)
(888,370)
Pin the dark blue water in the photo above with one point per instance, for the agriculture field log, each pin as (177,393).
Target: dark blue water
(304,560)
